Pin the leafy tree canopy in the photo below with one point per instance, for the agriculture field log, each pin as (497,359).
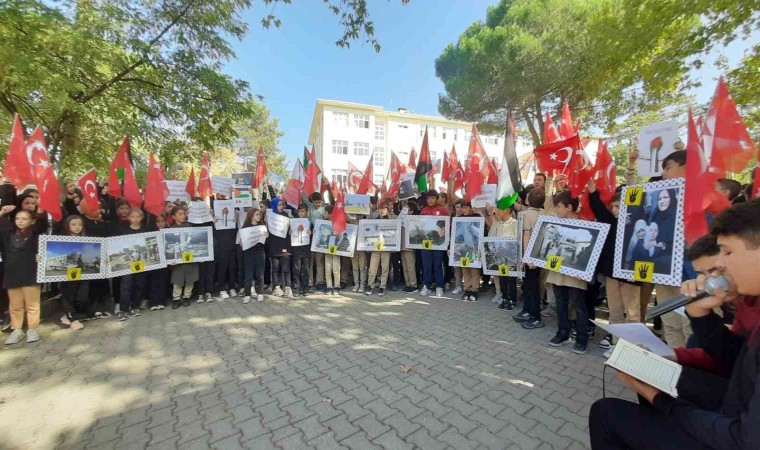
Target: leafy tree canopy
(607,58)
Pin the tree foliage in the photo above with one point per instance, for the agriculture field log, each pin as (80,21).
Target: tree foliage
(92,72)
(260,130)
(607,58)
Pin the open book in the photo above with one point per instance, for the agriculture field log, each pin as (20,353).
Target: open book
(646,366)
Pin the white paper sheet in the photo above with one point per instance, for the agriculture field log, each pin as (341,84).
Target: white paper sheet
(646,366)
(637,334)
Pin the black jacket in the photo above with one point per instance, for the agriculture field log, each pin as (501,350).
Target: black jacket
(735,425)
(607,257)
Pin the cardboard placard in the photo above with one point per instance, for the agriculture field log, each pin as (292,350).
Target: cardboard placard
(278,225)
(224,215)
(222,185)
(251,236)
(656,142)
(199,212)
(177,191)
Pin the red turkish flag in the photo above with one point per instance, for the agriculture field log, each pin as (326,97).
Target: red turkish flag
(700,195)
(88,184)
(397,170)
(261,168)
(556,156)
(355,177)
(457,171)
(325,185)
(446,168)
(579,172)
(731,147)
(44,175)
(366,183)
(475,177)
(156,190)
(292,192)
(190,186)
(311,177)
(605,173)
(18,168)
(413,160)
(123,163)
(566,128)
(585,213)
(204,184)
(482,163)
(550,131)
(339,218)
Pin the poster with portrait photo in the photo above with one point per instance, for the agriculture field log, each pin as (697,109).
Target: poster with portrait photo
(427,232)
(406,186)
(188,244)
(502,256)
(379,235)
(134,253)
(467,233)
(324,241)
(568,246)
(70,258)
(650,233)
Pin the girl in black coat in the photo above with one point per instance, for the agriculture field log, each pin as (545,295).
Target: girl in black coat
(76,294)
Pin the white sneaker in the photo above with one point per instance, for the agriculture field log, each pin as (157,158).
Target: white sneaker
(439,292)
(424,291)
(457,290)
(356,288)
(32,336)
(278,292)
(246,299)
(160,307)
(65,320)
(260,298)
(200,299)
(209,298)
(15,337)
(233,293)
(608,353)
(496,298)
(154,308)
(223,295)
(289,293)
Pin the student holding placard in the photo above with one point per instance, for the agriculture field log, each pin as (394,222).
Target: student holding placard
(75,294)
(186,274)
(332,263)
(301,249)
(20,246)
(158,279)
(470,275)
(254,260)
(132,286)
(501,223)
(379,259)
(279,255)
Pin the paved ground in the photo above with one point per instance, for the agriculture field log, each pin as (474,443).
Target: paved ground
(323,372)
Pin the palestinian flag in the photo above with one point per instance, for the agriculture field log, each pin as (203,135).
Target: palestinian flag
(424,165)
(510,184)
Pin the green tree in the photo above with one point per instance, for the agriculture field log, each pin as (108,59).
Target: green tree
(607,58)
(91,72)
(260,130)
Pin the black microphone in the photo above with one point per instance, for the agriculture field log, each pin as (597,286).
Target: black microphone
(711,285)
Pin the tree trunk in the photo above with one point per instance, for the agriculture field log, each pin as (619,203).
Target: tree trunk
(531,127)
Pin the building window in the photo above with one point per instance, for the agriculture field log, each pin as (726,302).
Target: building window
(456,134)
(341,119)
(403,126)
(340,176)
(361,148)
(433,156)
(361,121)
(491,140)
(340,147)
(431,132)
(467,136)
(379,156)
(380,131)
(378,179)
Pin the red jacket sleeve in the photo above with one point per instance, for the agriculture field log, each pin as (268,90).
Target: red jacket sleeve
(697,358)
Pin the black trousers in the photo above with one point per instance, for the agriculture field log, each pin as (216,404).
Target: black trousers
(281,271)
(255,264)
(76,299)
(619,424)
(132,287)
(508,286)
(159,286)
(227,270)
(301,270)
(206,273)
(531,293)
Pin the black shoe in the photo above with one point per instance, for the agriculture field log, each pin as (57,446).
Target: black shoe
(592,332)
(186,302)
(134,313)
(410,289)
(332,291)
(579,349)
(466,296)
(503,305)
(511,305)
(338,292)
(532,324)
(321,287)
(121,316)
(381,292)
(558,341)
(522,317)
(368,291)
(474,296)
(305,293)
(176,304)
(573,334)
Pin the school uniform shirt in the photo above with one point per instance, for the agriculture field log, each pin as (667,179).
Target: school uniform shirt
(530,217)
(501,228)
(434,211)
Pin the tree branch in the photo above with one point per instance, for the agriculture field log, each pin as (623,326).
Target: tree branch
(140,80)
(531,127)
(84,98)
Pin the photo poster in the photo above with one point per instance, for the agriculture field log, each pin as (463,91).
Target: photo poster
(250,236)
(467,233)
(177,191)
(241,195)
(300,232)
(656,141)
(199,212)
(225,217)
(379,235)
(487,196)
(243,178)
(71,258)
(501,256)
(135,253)
(427,232)
(278,225)
(649,244)
(324,241)
(568,246)
(406,186)
(357,204)
(188,244)
(222,185)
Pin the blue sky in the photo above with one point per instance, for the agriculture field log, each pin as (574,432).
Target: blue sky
(298,63)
